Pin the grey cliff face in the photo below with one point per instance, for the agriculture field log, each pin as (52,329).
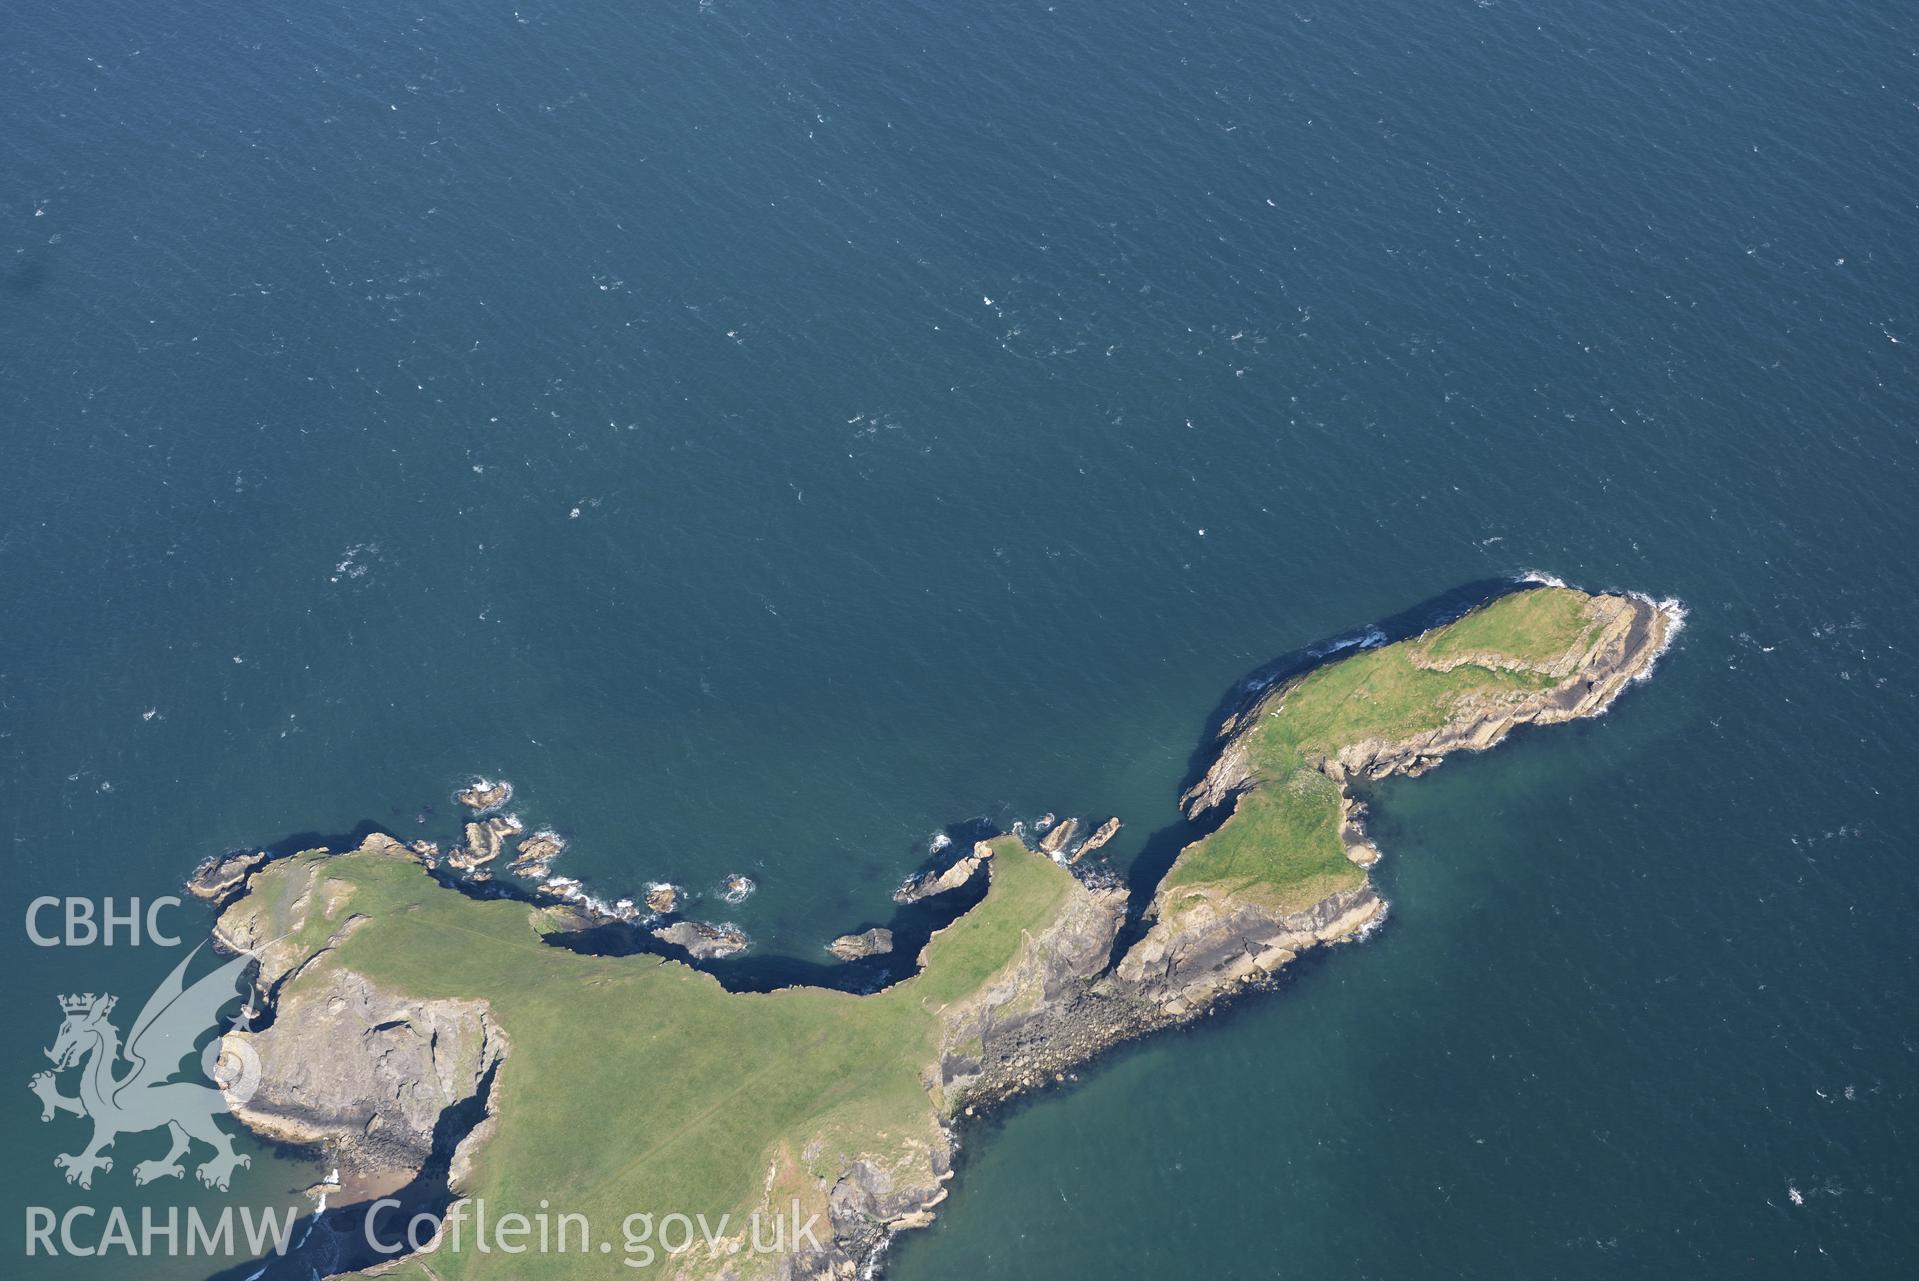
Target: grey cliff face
(348,1067)
(363,1073)
(1037,1017)
(1181,968)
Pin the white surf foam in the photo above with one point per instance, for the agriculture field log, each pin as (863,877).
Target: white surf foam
(1674,611)
(1371,638)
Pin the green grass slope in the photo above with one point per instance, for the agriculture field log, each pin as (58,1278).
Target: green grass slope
(640,1085)
(1281,845)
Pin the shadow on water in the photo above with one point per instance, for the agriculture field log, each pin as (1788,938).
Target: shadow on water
(26,276)
(300,842)
(338,1240)
(912,925)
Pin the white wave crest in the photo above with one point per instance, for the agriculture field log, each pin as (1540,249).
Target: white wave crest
(1370,638)
(1372,926)
(1674,611)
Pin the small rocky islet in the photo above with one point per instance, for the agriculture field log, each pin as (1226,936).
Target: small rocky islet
(1017,992)
(877,941)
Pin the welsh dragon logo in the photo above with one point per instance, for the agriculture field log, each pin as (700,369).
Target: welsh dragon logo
(144,1096)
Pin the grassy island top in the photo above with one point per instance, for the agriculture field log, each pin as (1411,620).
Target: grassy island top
(641,1084)
(1282,843)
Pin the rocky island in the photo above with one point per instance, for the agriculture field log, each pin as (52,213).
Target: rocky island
(410,1022)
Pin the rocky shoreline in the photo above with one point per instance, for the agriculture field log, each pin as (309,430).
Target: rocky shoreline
(366,1074)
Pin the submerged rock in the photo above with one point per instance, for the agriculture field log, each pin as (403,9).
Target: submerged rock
(736,888)
(854,947)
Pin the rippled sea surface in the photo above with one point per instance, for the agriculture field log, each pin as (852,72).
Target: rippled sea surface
(768,433)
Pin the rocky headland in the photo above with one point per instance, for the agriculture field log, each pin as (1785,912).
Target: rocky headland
(377,1033)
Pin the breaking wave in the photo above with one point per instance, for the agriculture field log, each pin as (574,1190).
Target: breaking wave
(1370,638)
(1674,611)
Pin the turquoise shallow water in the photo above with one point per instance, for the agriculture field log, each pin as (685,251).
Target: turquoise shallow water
(956,402)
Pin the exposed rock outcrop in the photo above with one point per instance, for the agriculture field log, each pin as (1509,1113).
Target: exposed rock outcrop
(1210,944)
(536,854)
(1066,999)
(854,947)
(271,933)
(1230,773)
(703,941)
(484,841)
(483,795)
(363,1073)
(926,886)
(1352,832)
(221,877)
(244,927)
(1057,837)
(1038,1016)
(348,1067)
(1105,833)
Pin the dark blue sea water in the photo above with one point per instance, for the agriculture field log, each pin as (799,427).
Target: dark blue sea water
(769,433)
